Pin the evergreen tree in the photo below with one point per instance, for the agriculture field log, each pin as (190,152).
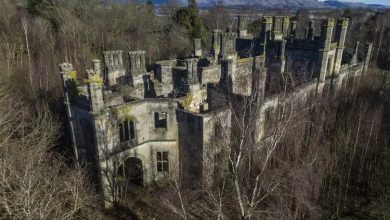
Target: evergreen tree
(189,18)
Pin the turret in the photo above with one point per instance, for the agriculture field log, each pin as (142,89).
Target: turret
(95,87)
(242,27)
(327,60)
(113,62)
(341,33)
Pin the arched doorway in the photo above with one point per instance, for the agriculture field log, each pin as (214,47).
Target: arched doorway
(131,170)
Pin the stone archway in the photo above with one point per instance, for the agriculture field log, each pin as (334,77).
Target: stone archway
(132,171)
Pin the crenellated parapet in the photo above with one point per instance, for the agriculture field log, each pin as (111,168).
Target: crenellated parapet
(137,62)
(113,63)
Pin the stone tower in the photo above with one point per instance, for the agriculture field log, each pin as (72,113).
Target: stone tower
(326,58)
(341,33)
(95,87)
(114,68)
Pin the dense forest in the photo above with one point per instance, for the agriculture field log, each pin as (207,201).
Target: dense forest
(342,170)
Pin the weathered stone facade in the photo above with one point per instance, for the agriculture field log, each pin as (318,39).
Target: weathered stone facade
(150,126)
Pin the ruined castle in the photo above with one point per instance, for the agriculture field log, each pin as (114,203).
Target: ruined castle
(148,125)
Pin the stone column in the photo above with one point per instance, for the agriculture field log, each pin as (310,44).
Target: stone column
(267,27)
(286,24)
(197,47)
(355,60)
(95,88)
(120,54)
(192,69)
(97,66)
(65,70)
(293,28)
(111,57)
(326,40)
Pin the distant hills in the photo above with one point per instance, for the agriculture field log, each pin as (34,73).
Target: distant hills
(280,4)
(265,3)
(342,4)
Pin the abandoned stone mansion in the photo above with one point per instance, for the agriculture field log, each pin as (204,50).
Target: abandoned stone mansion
(150,123)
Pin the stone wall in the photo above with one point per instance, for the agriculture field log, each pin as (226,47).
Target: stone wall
(197,149)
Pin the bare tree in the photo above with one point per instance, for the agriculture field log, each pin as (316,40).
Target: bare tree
(34,182)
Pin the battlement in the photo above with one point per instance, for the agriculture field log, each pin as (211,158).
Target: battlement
(137,61)
(113,58)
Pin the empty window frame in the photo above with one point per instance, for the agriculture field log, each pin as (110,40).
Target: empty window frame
(218,130)
(160,120)
(126,130)
(162,161)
